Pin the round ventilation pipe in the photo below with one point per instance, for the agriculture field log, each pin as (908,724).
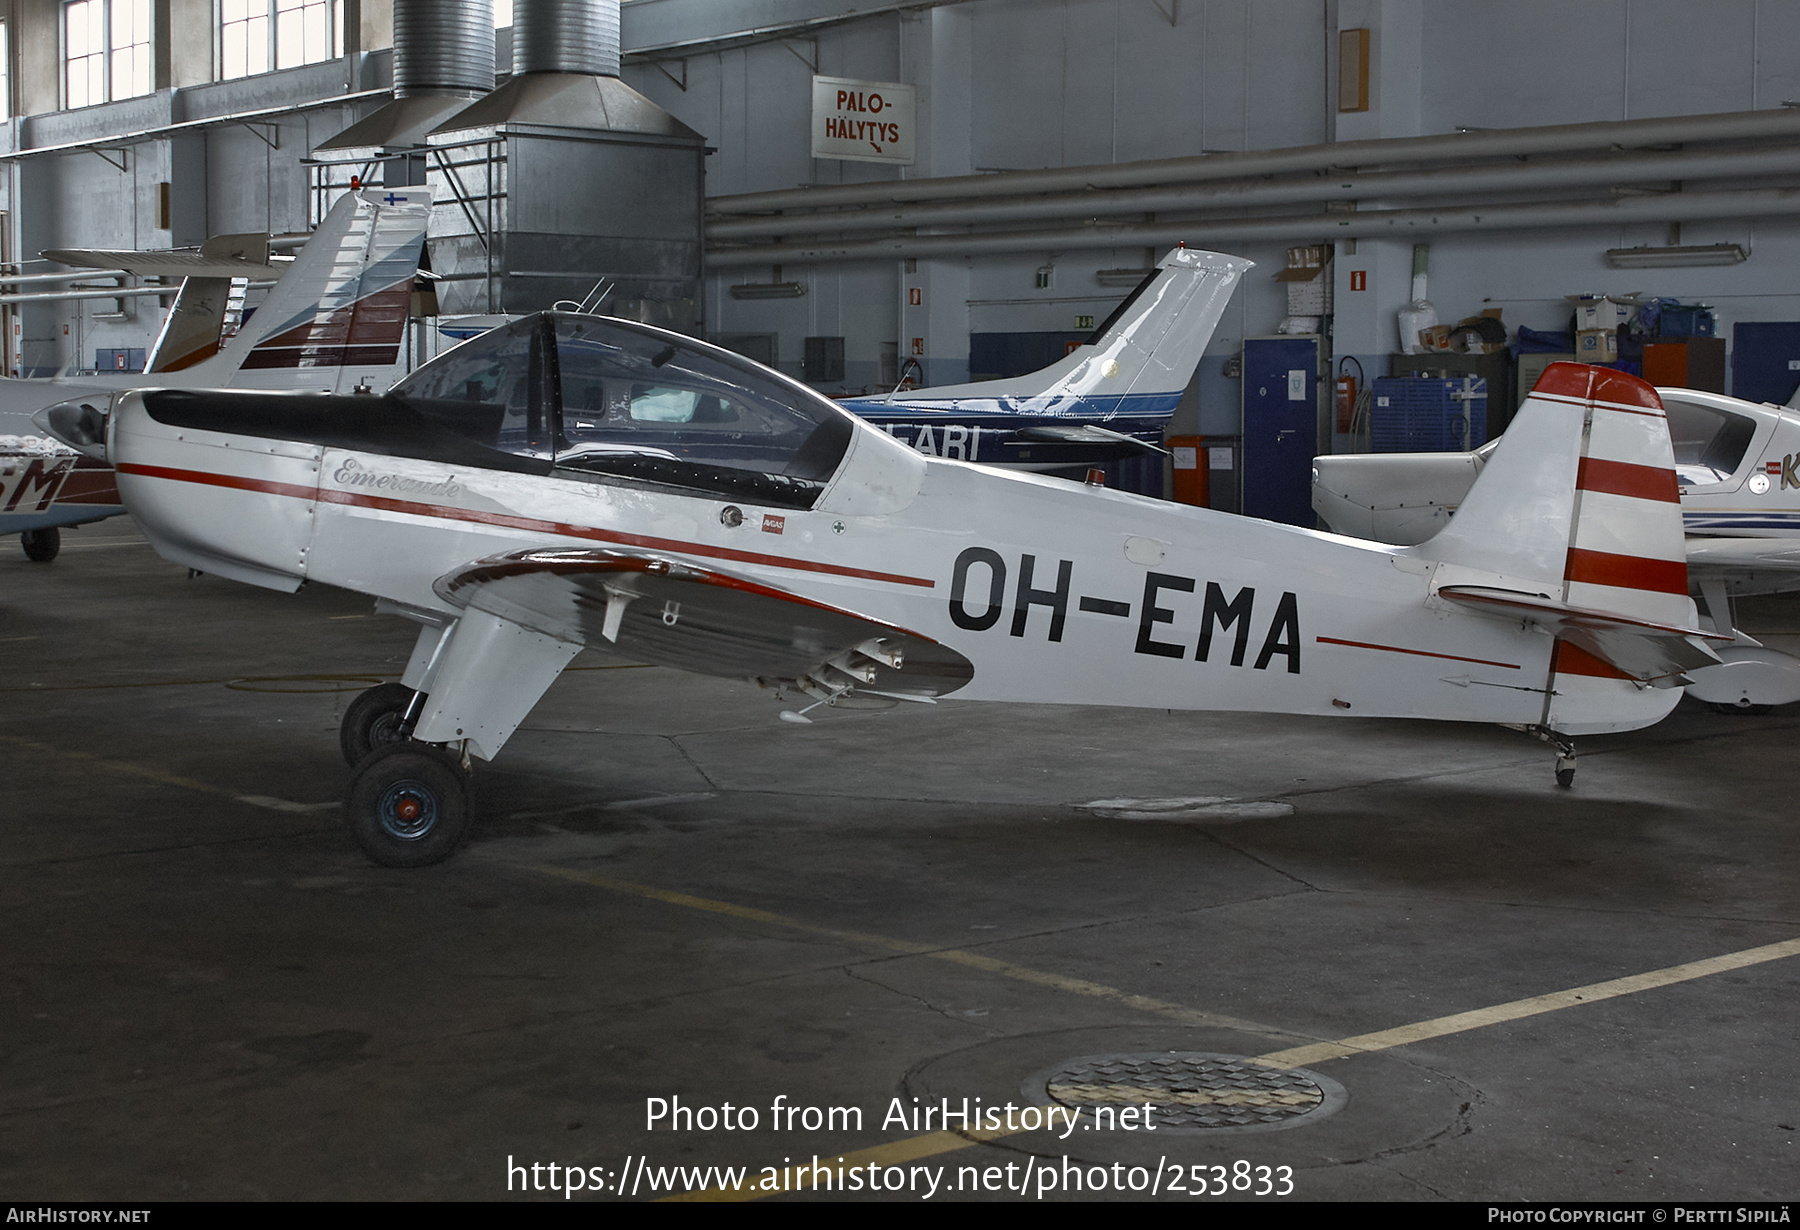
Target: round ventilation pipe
(443,48)
(566,36)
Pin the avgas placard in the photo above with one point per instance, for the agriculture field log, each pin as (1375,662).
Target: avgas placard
(863,121)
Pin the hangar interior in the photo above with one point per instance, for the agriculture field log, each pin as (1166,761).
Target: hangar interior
(1489,989)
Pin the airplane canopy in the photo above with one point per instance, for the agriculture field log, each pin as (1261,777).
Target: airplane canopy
(604,396)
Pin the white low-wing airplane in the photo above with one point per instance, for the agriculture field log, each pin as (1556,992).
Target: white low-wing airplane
(335,319)
(570,482)
(1736,464)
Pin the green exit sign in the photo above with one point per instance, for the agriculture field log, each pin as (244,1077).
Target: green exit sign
(1084,322)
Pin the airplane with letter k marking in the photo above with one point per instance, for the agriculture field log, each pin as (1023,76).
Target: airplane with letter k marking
(568,482)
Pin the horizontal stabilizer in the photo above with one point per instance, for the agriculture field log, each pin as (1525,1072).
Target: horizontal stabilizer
(172,264)
(1652,653)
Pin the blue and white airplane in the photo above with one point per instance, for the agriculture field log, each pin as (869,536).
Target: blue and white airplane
(1109,398)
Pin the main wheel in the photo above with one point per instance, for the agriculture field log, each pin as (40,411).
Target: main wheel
(373,721)
(409,805)
(41,546)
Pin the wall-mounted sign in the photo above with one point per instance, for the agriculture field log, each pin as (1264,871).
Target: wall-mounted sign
(862,121)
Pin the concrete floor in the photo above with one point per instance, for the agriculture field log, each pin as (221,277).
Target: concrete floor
(209,994)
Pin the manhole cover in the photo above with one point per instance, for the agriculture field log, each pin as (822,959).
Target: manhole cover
(1191,1090)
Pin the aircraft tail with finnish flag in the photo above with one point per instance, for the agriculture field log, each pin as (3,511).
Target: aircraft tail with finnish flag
(335,320)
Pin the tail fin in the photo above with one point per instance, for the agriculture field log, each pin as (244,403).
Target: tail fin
(339,311)
(192,333)
(1137,364)
(1575,526)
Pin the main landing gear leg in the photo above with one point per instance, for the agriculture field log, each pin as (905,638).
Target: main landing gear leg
(410,804)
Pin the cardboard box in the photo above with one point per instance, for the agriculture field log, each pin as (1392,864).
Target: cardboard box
(1600,312)
(1436,338)
(1308,278)
(1596,346)
(1310,298)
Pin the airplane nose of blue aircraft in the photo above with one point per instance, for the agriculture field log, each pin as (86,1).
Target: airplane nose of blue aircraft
(80,424)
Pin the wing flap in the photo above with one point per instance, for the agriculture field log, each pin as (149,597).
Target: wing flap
(676,614)
(1653,653)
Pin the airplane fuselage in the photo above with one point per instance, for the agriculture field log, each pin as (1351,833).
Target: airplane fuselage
(1054,591)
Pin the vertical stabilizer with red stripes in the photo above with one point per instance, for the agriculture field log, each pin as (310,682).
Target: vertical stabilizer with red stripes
(337,318)
(1575,526)
(1628,552)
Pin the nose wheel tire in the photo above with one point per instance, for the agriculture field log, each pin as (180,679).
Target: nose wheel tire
(373,721)
(41,546)
(409,805)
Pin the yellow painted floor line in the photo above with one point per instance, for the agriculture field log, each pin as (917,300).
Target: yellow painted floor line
(914,1148)
(933,1144)
(1302,1056)
(881,943)
(128,769)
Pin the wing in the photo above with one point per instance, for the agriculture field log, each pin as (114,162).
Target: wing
(1652,653)
(166,264)
(696,619)
(1745,565)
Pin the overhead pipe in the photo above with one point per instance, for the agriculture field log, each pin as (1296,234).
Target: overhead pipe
(73,275)
(1498,143)
(1288,229)
(1574,173)
(116,292)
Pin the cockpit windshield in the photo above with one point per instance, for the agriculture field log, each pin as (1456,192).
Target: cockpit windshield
(595,395)
(1710,443)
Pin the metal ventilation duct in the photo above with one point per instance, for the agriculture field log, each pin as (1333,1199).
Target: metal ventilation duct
(565,179)
(565,36)
(443,57)
(446,48)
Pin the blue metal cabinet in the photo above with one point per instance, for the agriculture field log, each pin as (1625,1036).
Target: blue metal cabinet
(1765,360)
(1281,427)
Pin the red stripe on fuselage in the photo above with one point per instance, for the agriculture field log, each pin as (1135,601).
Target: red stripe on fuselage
(1421,653)
(1660,576)
(1627,478)
(534,525)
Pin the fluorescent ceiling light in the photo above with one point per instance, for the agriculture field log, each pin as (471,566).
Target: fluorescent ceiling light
(768,290)
(1121,277)
(1664,258)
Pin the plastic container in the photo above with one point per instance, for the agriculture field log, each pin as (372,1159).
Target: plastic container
(1428,414)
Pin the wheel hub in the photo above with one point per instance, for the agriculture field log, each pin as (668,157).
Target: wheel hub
(408,810)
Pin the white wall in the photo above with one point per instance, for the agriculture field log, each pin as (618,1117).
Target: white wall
(1033,83)
(1445,64)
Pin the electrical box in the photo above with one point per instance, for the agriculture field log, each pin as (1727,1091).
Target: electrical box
(823,360)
